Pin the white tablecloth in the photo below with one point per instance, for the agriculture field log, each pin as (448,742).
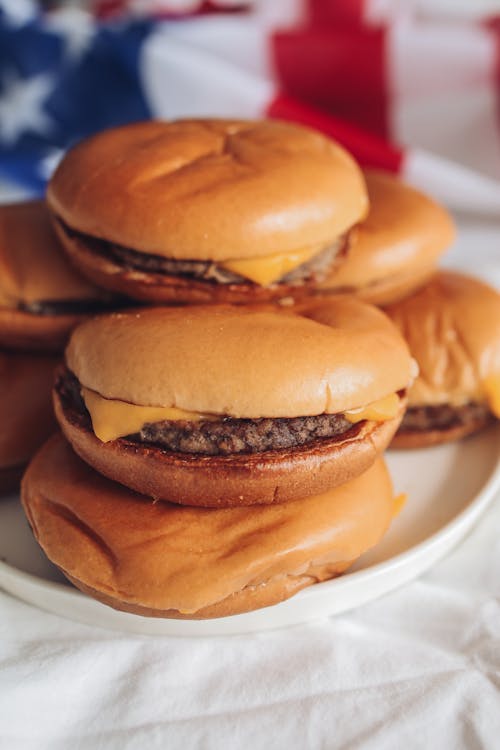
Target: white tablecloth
(419,668)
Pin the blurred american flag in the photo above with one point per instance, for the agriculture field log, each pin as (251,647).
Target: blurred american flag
(409,85)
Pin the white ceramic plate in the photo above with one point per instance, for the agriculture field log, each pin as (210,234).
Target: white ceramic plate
(448,488)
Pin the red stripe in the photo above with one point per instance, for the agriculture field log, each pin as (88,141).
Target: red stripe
(493,26)
(341,70)
(337,11)
(370,150)
(106,9)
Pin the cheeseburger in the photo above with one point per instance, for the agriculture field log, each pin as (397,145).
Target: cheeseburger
(452,327)
(26,409)
(163,560)
(396,248)
(202,211)
(225,406)
(41,297)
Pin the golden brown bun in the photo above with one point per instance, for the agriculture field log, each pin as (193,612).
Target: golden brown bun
(425,438)
(26,409)
(452,327)
(164,289)
(246,600)
(162,560)
(390,290)
(243,363)
(33,266)
(209,189)
(234,480)
(23,331)
(396,248)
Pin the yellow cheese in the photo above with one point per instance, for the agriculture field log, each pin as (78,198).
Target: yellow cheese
(399,503)
(112,419)
(492,389)
(377,411)
(271,268)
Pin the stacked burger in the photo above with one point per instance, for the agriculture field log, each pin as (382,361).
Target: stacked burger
(450,321)
(42,298)
(218,457)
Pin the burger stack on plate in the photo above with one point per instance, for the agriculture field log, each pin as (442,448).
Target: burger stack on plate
(42,298)
(224,450)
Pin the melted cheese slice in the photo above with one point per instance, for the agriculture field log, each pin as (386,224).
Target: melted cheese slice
(399,503)
(492,390)
(377,411)
(266,270)
(112,419)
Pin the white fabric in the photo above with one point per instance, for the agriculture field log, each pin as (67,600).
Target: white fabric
(420,668)
(383,11)
(443,92)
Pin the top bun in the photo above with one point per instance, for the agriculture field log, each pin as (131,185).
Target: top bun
(403,235)
(452,327)
(209,189)
(33,267)
(243,363)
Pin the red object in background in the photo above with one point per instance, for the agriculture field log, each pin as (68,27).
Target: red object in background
(336,11)
(370,150)
(108,9)
(493,26)
(340,70)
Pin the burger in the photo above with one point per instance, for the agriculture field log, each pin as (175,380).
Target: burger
(395,250)
(41,300)
(225,406)
(164,560)
(41,297)
(26,409)
(204,211)
(452,326)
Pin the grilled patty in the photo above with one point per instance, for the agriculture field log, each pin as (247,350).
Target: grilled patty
(316,268)
(442,417)
(220,437)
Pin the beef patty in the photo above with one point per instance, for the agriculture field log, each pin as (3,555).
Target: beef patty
(316,268)
(443,417)
(219,437)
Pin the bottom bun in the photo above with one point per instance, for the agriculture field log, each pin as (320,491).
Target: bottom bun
(161,560)
(26,409)
(24,331)
(165,289)
(424,438)
(385,291)
(246,600)
(234,480)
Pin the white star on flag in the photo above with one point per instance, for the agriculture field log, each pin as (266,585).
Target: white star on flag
(21,106)
(18,12)
(76,26)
